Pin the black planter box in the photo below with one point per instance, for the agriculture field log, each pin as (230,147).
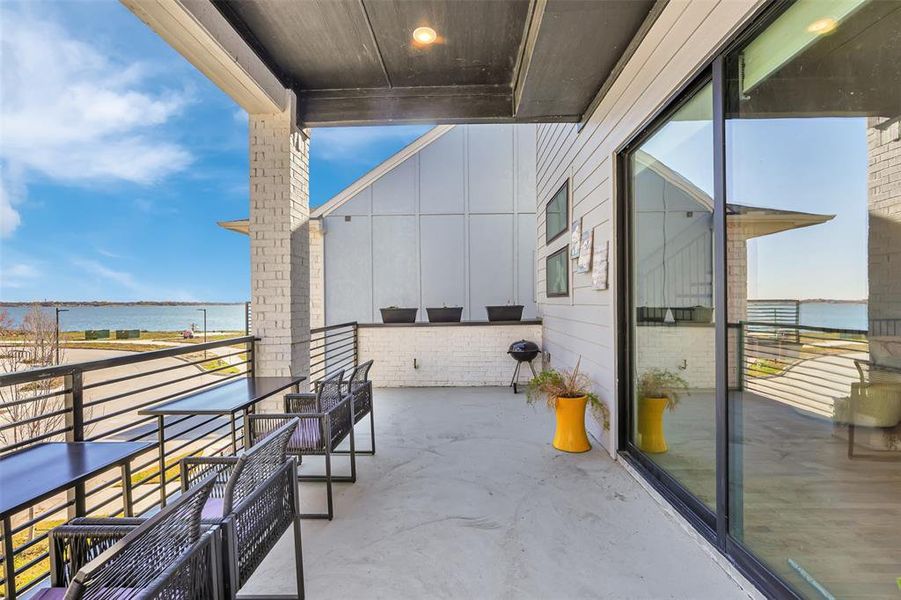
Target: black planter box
(447,314)
(651,314)
(701,314)
(505,313)
(398,315)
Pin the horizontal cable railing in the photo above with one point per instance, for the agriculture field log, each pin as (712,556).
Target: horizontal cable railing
(100,401)
(333,348)
(808,368)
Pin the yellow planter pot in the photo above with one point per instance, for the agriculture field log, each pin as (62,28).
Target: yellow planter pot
(650,425)
(570,434)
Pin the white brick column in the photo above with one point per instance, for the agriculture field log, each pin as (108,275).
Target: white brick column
(279,244)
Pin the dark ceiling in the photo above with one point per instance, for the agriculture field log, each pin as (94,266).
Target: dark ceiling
(852,72)
(354,61)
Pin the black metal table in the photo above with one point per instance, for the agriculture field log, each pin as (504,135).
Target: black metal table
(228,399)
(37,473)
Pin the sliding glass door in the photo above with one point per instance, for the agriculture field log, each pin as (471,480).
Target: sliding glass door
(813,104)
(762,261)
(673,363)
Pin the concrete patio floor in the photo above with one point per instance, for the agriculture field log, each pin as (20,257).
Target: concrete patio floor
(466,498)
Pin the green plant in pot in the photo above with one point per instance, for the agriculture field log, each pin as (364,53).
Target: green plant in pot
(568,393)
(658,390)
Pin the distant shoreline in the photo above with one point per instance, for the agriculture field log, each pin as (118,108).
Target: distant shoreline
(50,303)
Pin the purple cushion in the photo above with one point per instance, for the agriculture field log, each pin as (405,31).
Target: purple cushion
(58,593)
(306,436)
(212,509)
(54,593)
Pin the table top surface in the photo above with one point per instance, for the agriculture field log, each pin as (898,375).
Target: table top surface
(35,473)
(225,399)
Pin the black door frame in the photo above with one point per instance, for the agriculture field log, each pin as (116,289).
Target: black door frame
(713,525)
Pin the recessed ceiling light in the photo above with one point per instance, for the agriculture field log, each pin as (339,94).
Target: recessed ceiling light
(424,35)
(822,26)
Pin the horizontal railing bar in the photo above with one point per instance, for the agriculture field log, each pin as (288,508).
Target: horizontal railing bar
(34,439)
(37,519)
(154,387)
(121,428)
(33,582)
(338,365)
(330,343)
(333,335)
(32,542)
(187,391)
(330,327)
(343,353)
(333,362)
(34,398)
(40,417)
(160,370)
(349,344)
(805,327)
(116,361)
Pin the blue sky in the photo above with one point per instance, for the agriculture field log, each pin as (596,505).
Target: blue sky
(118,157)
(813,165)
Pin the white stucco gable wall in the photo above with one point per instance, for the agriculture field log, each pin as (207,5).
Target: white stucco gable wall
(449,220)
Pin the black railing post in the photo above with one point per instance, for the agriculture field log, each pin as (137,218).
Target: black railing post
(356,344)
(74,404)
(9,559)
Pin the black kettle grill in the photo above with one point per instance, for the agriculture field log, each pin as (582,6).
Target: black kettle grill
(522,351)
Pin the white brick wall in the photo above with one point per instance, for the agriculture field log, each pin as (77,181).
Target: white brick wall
(279,244)
(884,240)
(685,350)
(477,354)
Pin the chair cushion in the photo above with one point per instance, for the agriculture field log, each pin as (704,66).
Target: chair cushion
(306,436)
(54,593)
(58,593)
(212,509)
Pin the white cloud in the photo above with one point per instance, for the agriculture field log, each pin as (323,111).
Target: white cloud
(74,115)
(360,144)
(9,216)
(18,274)
(123,278)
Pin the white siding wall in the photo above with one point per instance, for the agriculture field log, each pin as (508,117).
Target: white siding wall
(451,225)
(684,37)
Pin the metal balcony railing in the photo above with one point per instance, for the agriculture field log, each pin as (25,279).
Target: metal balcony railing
(100,400)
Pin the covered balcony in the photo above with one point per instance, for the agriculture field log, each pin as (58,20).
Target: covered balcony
(776,476)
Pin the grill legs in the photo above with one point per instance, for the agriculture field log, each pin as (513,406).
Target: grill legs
(515,380)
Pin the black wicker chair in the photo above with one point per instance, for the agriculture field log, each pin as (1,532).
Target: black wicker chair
(360,387)
(249,498)
(326,421)
(166,556)
(252,501)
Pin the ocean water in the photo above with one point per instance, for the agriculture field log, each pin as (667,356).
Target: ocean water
(149,317)
(837,315)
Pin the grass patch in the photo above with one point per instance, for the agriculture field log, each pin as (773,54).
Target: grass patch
(40,568)
(151,475)
(765,367)
(120,345)
(218,363)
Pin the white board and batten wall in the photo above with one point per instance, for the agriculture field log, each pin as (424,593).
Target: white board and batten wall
(683,38)
(452,224)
